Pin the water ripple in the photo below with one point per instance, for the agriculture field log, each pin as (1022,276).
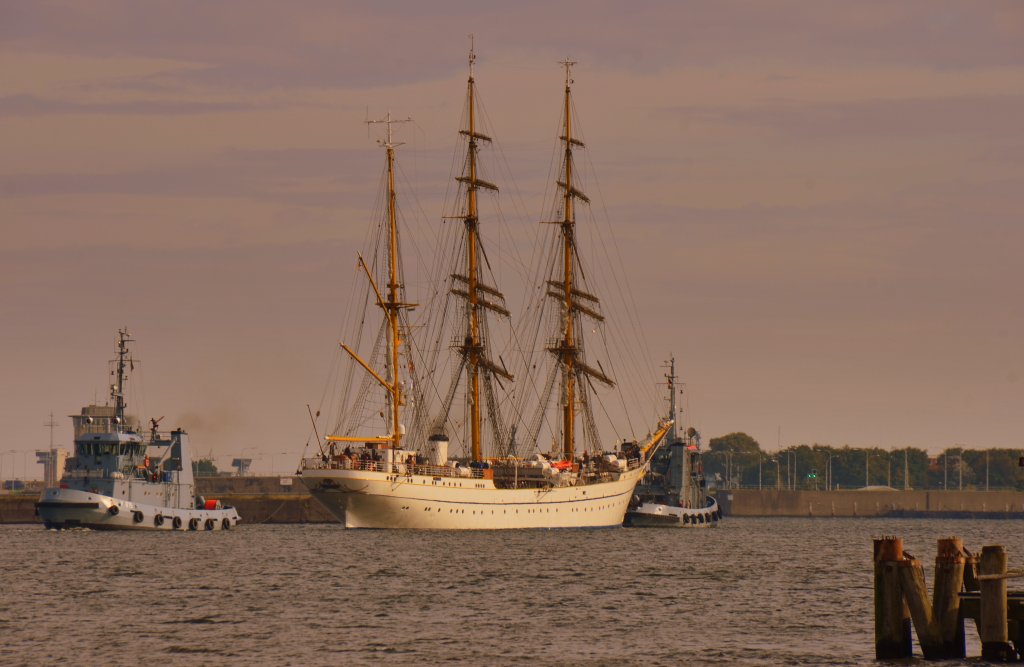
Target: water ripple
(754,592)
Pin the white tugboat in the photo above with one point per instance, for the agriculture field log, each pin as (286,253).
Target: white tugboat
(120,480)
(397,480)
(674,492)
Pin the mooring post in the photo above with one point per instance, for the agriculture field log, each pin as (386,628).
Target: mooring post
(892,618)
(971,572)
(915,593)
(995,643)
(949,579)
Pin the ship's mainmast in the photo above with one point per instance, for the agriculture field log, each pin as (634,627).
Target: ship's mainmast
(472,229)
(473,347)
(568,341)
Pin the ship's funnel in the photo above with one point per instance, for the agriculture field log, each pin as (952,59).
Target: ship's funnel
(437,449)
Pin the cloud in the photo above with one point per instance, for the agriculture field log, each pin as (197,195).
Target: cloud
(982,116)
(31,105)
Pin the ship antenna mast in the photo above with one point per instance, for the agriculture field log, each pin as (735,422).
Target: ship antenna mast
(52,424)
(672,399)
(392,305)
(117,389)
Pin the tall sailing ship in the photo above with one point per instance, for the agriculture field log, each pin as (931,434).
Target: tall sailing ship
(405,478)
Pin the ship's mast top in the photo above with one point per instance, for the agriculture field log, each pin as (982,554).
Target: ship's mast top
(567,63)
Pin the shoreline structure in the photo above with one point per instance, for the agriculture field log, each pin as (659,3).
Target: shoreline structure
(267,500)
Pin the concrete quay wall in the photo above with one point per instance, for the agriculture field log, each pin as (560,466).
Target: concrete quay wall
(851,503)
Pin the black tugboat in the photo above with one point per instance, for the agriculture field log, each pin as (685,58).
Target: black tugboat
(674,492)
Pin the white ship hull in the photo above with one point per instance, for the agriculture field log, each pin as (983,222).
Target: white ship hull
(367,499)
(73,508)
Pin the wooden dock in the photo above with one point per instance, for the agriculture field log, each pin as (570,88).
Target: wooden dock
(966,586)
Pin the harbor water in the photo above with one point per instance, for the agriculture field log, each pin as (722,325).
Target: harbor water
(754,591)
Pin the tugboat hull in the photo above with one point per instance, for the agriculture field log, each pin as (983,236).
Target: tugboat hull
(656,515)
(72,508)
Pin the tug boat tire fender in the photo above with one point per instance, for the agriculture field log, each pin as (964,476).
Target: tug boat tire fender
(225,524)
(193,524)
(113,510)
(176,523)
(209,524)
(137,517)
(158,520)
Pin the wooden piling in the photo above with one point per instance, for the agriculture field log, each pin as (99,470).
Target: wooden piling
(949,579)
(995,645)
(892,617)
(915,593)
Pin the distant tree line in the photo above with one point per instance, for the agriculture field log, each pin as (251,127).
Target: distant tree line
(736,460)
(204,468)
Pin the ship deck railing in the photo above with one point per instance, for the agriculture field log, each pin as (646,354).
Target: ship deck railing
(346,463)
(343,462)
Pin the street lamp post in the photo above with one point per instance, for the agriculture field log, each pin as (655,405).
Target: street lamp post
(13,453)
(960,470)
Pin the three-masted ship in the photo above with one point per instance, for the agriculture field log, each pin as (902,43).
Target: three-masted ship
(386,481)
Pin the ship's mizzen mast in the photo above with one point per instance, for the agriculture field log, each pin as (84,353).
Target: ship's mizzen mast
(391,306)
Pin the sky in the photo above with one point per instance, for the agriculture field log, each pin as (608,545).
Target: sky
(818,203)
